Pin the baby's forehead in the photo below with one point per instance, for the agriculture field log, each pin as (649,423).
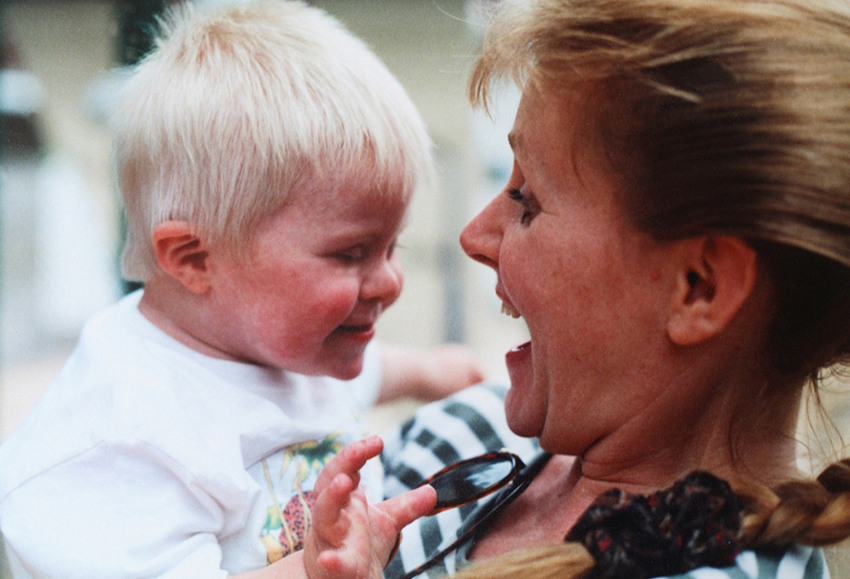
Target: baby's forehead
(355,187)
(341,200)
(364,171)
(333,218)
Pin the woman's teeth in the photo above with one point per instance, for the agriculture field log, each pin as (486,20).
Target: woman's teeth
(509,310)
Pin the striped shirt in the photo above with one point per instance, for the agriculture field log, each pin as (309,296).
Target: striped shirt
(471,423)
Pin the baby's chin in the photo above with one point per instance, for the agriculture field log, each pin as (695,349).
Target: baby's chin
(345,369)
(333,365)
(348,374)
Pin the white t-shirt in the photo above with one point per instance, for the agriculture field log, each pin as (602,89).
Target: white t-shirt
(146,458)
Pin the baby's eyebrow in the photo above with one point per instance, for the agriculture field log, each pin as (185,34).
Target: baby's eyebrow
(354,236)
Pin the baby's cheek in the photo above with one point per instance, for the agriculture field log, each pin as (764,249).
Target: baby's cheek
(338,300)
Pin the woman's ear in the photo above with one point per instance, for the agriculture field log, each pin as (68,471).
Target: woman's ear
(714,278)
(182,254)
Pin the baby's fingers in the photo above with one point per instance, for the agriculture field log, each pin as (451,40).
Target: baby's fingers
(339,543)
(400,511)
(349,462)
(338,509)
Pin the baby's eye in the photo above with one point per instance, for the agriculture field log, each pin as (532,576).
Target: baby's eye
(527,204)
(352,254)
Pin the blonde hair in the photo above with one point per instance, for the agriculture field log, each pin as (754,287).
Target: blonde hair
(238,108)
(727,117)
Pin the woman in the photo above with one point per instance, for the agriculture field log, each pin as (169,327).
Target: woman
(676,236)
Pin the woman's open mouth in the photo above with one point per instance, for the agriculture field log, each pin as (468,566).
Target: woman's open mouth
(519,363)
(509,310)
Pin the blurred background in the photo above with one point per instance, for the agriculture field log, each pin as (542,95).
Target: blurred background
(60,234)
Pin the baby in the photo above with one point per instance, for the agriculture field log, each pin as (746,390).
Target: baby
(266,160)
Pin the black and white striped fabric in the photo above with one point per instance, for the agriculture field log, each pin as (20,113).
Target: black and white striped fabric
(471,423)
(462,426)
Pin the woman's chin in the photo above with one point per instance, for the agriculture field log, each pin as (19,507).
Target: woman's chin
(523,418)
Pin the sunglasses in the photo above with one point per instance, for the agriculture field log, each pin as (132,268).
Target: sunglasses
(470,480)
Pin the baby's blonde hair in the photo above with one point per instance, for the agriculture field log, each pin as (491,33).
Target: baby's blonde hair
(239,108)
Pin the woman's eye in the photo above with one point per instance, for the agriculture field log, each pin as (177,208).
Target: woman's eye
(527,205)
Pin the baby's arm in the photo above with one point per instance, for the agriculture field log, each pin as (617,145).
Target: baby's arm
(350,538)
(426,374)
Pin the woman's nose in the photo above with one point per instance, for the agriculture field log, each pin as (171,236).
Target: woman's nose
(481,237)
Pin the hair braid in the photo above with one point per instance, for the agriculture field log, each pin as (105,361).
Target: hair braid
(808,512)
(815,513)
(787,518)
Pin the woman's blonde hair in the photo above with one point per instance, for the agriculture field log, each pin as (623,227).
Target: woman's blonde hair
(718,117)
(236,109)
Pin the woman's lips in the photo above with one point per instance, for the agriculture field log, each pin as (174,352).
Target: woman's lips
(520,350)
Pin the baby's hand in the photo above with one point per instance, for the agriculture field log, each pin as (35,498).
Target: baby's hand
(351,538)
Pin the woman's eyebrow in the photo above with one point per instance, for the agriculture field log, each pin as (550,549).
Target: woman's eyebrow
(514,140)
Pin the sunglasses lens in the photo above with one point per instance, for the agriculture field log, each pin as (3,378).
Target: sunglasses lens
(470,480)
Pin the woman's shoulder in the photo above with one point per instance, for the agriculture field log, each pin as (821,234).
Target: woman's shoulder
(796,562)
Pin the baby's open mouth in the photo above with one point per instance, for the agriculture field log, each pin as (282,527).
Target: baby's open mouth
(355,329)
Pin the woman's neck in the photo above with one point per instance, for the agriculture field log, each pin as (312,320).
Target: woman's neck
(567,486)
(741,439)
(652,453)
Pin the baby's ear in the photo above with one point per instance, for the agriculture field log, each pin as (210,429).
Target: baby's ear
(182,254)
(715,277)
